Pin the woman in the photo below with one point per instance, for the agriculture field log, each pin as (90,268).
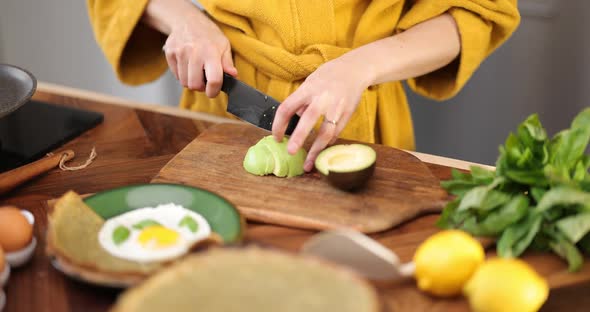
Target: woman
(336,63)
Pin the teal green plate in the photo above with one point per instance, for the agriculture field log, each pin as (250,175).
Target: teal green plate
(223,217)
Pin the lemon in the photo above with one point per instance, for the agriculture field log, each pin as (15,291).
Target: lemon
(445,261)
(506,285)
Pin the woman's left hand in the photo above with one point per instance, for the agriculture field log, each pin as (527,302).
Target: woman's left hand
(332,92)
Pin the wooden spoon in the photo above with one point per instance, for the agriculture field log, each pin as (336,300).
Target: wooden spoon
(13,178)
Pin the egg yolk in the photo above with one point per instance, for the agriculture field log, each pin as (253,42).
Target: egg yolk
(155,237)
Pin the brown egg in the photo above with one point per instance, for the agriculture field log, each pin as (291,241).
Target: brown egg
(15,231)
(2,262)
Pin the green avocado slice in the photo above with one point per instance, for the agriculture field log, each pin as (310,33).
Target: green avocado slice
(279,153)
(258,160)
(271,157)
(296,162)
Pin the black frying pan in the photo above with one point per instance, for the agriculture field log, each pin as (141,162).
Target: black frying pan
(16,88)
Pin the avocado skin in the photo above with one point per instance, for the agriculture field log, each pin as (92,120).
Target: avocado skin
(354,174)
(350,181)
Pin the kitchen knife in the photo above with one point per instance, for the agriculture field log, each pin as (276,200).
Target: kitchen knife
(251,105)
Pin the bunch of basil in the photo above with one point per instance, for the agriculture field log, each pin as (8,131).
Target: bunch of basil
(538,197)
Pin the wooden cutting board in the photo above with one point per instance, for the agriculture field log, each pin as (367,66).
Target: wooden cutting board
(402,187)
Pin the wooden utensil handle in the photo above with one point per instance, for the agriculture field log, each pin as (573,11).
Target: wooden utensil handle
(13,178)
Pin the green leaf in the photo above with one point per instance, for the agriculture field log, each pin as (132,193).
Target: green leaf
(481,175)
(575,227)
(584,244)
(460,216)
(474,198)
(563,196)
(444,222)
(565,249)
(532,177)
(459,183)
(534,129)
(557,175)
(512,142)
(555,144)
(571,144)
(585,184)
(471,226)
(498,220)
(517,237)
(524,242)
(541,241)
(457,174)
(494,199)
(537,193)
(497,182)
(554,214)
(482,198)
(581,168)
(145,223)
(120,234)
(458,187)
(582,120)
(524,158)
(190,223)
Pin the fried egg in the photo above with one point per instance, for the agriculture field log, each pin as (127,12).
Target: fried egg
(153,234)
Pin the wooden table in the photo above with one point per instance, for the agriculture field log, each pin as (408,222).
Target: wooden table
(135,141)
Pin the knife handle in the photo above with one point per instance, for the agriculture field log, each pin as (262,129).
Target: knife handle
(292,124)
(228,81)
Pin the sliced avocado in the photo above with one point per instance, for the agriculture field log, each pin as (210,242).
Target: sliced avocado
(269,156)
(296,162)
(258,160)
(347,166)
(279,153)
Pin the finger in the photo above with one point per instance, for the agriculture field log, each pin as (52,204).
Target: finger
(340,125)
(301,111)
(326,133)
(171,60)
(304,127)
(196,81)
(214,73)
(294,102)
(227,63)
(182,63)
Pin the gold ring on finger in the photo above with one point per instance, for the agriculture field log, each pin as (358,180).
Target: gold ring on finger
(331,121)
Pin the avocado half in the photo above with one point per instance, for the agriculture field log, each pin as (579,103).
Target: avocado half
(347,166)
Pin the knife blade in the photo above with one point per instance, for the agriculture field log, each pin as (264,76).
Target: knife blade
(251,105)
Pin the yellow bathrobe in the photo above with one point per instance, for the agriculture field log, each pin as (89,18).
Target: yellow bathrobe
(277,43)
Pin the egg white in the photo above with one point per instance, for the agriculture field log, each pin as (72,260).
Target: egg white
(169,216)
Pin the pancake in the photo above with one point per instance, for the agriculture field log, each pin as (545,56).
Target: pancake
(250,279)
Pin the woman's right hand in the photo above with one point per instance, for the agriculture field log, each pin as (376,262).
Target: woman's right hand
(196,46)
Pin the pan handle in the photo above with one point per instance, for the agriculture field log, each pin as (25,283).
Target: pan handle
(13,178)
